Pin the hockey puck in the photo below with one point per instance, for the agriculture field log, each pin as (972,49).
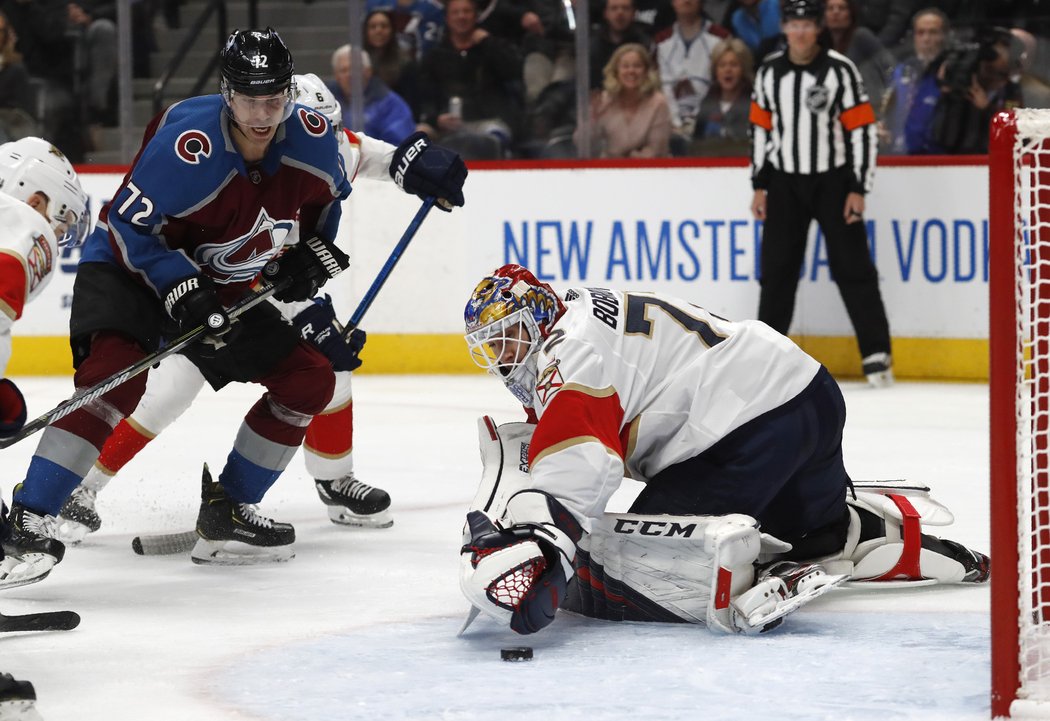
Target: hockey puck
(517,653)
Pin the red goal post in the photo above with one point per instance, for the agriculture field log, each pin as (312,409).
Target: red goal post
(1019,333)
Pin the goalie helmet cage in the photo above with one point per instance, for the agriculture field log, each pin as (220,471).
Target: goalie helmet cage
(1019,389)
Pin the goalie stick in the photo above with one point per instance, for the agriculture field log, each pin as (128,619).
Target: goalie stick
(83,397)
(46,621)
(162,544)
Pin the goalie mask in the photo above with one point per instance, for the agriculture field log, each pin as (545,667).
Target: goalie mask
(33,165)
(509,315)
(256,77)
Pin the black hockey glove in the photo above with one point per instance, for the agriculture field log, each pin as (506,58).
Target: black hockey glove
(425,169)
(310,264)
(12,408)
(318,325)
(193,303)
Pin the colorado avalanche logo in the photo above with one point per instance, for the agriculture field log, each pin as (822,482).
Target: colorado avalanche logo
(239,260)
(314,123)
(191,146)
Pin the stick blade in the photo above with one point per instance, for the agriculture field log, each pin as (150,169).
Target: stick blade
(49,621)
(164,544)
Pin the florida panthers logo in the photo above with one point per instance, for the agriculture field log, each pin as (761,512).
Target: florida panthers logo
(193,145)
(549,381)
(241,259)
(314,123)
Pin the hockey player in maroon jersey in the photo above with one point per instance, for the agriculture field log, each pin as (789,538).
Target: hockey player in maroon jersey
(735,431)
(207,205)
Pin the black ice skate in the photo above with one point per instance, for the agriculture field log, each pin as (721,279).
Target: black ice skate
(17,699)
(234,534)
(29,545)
(353,503)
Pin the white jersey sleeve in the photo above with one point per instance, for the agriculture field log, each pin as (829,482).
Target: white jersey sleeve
(629,384)
(28,259)
(366,157)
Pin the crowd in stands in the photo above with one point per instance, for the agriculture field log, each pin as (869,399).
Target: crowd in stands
(495,79)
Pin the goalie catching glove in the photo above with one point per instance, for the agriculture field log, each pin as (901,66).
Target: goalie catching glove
(517,569)
(424,169)
(309,265)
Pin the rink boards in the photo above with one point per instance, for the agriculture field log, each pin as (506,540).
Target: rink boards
(679,228)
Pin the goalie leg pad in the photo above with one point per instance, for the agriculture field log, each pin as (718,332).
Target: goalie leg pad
(886,545)
(505,464)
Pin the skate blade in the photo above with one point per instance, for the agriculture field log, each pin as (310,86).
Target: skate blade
(70,532)
(22,710)
(30,568)
(237,553)
(343,516)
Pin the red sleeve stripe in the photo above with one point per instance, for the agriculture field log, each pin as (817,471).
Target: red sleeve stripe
(577,415)
(12,285)
(760,116)
(857,116)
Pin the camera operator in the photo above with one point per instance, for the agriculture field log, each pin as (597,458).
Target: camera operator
(973,81)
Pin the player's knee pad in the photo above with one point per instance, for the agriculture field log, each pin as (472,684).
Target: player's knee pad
(505,464)
(885,543)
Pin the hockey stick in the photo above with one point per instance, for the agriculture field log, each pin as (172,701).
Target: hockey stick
(388,267)
(82,398)
(161,544)
(47,621)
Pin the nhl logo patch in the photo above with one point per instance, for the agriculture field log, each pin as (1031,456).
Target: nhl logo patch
(817,98)
(255,176)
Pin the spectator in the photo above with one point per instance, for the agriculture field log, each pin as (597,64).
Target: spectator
(722,127)
(479,73)
(630,118)
(875,62)
(48,55)
(548,48)
(684,56)
(813,158)
(391,62)
(17,96)
(418,23)
(386,115)
(970,85)
(95,28)
(888,19)
(654,16)
(756,22)
(930,29)
(1035,91)
(618,27)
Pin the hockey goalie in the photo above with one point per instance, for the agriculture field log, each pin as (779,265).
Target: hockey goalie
(747,511)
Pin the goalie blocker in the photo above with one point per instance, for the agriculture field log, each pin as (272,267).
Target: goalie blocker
(524,555)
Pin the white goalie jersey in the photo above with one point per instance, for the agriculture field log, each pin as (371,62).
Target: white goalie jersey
(629,384)
(28,259)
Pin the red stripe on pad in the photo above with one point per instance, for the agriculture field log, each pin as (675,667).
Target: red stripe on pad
(907,565)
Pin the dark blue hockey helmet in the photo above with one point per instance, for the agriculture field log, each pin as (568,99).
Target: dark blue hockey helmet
(256,62)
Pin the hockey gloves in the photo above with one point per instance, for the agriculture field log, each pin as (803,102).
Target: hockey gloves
(12,408)
(318,325)
(193,303)
(519,571)
(309,264)
(429,170)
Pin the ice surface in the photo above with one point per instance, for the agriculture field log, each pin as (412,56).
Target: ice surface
(362,623)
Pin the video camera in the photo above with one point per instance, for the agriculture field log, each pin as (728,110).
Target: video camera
(962,61)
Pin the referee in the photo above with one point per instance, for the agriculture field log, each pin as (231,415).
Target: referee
(813,152)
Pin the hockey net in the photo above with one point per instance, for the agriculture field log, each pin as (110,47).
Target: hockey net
(1019,331)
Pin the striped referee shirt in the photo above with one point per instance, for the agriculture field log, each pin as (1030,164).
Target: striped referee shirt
(812,118)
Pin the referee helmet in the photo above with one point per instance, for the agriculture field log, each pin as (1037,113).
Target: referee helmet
(808,9)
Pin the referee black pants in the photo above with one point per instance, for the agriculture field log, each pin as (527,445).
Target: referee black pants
(792,201)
